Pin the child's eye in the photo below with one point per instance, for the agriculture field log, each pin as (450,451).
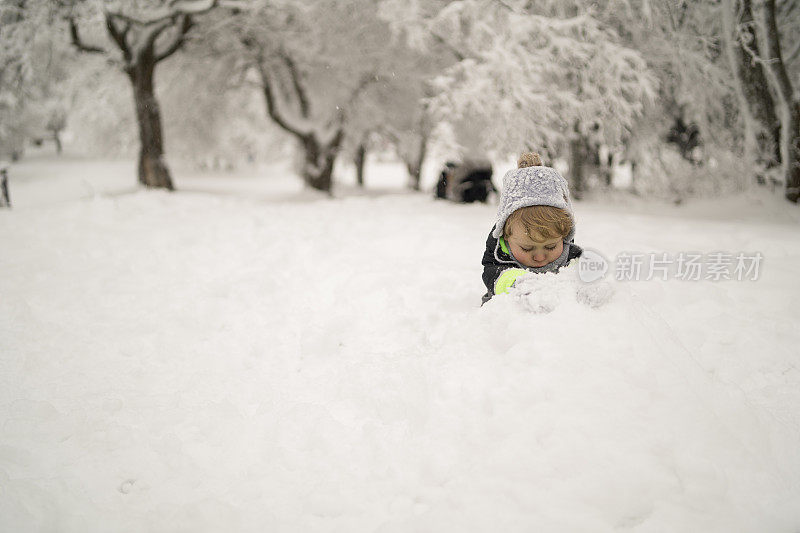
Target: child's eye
(527,249)
(551,247)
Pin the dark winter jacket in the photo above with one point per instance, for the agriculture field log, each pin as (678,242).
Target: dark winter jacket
(497,259)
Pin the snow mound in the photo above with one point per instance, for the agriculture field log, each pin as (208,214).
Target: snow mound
(214,362)
(542,293)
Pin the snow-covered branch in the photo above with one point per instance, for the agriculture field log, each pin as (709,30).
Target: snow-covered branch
(150,33)
(538,73)
(297,83)
(78,42)
(171,10)
(120,36)
(184,26)
(276,108)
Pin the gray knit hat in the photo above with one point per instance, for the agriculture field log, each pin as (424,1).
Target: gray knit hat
(536,185)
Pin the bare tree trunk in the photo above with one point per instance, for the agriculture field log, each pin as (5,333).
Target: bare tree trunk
(577,156)
(57,141)
(318,160)
(5,199)
(360,159)
(413,175)
(790,107)
(607,168)
(792,146)
(414,166)
(762,127)
(634,174)
(319,178)
(153,171)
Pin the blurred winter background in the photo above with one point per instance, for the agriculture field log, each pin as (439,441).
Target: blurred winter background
(230,300)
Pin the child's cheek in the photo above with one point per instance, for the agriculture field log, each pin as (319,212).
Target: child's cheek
(517,255)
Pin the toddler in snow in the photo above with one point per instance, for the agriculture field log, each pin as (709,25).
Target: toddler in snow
(534,229)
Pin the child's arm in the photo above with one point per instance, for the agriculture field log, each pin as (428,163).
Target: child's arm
(498,276)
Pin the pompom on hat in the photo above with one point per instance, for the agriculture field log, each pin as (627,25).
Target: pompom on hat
(532,184)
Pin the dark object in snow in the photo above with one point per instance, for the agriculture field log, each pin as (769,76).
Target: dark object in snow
(444,177)
(687,138)
(5,201)
(466,182)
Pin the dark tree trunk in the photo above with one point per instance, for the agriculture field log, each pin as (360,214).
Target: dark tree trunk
(415,167)
(153,171)
(5,199)
(360,159)
(57,141)
(792,191)
(607,169)
(413,175)
(318,162)
(756,103)
(790,107)
(577,156)
(319,178)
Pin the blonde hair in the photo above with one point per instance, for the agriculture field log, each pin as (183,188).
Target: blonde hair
(542,220)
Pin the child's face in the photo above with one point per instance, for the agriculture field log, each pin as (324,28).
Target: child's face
(533,251)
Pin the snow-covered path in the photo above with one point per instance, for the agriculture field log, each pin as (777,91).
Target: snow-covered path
(204,361)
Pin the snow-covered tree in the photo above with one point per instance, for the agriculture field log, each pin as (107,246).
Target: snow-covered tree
(27,72)
(530,74)
(143,33)
(212,120)
(396,110)
(681,44)
(38,74)
(557,75)
(16,36)
(411,134)
(311,61)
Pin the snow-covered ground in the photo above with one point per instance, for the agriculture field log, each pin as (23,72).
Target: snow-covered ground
(246,356)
